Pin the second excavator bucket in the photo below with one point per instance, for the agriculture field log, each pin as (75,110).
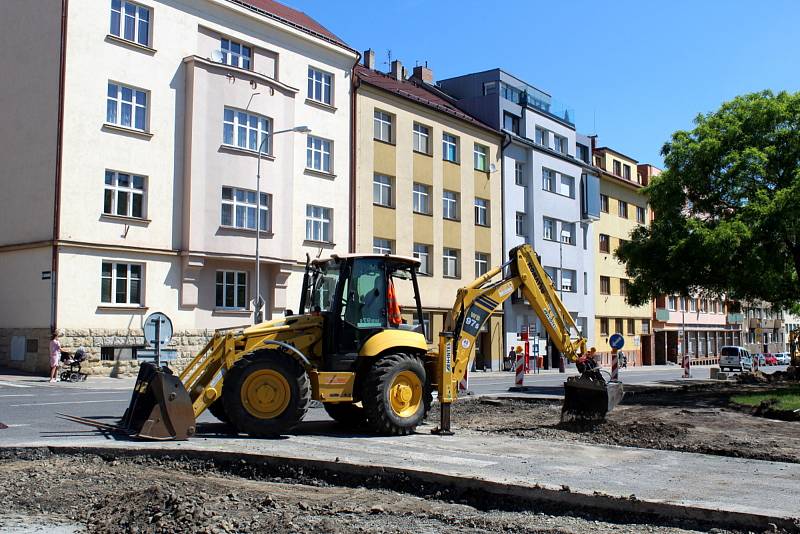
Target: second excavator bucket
(588,397)
(160,407)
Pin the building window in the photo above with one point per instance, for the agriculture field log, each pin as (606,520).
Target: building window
(605,285)
(604,203)
(605,243)
(246,130)
(672,303)
(552,274)
(124,194)
(567,186)
(121,283)
(126,106)
(383,126)
(645,326)
(626,172)
(382,246)
(421,138)
(623,287)
(511,123)
(519,173)
(617,168)
(640,215)
(130,21)
(481,264)
(382,190)
(521,223)
(236,54)
(568,281)
(450,148)
(549,227)
(319,85)
(450,263)
(549,180)
(618,326)
(622,210)
(232,290)
(426,323)
(542,137)
(239,209)
(318,223)
(631,327)
(560,144)
(318,154)
(582,152)
(481,212)
(423,254)
(604,326)
(422,198)
(693,305)
(481,157)
(450,205)
(568,233)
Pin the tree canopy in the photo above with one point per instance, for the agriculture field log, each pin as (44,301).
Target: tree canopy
(726,208)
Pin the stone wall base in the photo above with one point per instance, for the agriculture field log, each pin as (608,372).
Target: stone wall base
(187,342)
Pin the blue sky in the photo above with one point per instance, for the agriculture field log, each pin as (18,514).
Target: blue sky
(633,71)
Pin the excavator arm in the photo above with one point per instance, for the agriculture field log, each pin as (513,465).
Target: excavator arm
(476,302)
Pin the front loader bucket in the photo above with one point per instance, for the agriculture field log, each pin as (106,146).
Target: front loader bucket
(160,406)
(588,399)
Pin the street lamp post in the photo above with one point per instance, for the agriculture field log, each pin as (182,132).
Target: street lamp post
(258,301)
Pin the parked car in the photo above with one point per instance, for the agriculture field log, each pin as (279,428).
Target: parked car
(783,358)
(770,359)
(735,359)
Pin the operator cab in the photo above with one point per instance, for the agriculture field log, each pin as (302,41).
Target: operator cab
(359,295)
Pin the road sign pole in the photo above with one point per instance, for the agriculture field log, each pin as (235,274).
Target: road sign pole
(158,341)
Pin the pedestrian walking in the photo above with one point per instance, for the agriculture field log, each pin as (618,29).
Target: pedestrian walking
(55,356)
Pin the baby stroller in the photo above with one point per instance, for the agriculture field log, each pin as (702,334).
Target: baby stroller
(71,365)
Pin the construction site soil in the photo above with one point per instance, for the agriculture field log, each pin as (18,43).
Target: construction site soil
(694,419)
(42,492)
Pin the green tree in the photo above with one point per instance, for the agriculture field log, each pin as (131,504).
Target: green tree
(727,207)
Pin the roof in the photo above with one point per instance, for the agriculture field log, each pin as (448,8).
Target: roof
(402,259)
(419,92)
(617,152)
(292,17)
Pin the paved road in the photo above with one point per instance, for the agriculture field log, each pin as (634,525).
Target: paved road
(29,405)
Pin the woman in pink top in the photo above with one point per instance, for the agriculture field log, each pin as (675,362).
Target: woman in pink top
(55,355)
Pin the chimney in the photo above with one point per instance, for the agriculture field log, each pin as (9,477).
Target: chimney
(369,58)
(397,70)
(423,74)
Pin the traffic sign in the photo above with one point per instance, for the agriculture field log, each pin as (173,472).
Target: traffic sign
(146,355)
(157,329)
(616,341)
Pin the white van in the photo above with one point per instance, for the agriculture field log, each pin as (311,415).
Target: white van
(735,359)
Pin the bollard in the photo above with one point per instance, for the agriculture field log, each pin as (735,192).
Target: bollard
(686,367)
(520,369)
(614,365)
(463,384)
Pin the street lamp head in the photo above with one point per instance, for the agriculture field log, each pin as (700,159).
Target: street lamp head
(301,129)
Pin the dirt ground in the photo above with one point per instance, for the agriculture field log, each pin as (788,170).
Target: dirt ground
(695,420)
(90,494)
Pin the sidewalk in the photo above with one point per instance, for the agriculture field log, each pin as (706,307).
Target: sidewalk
(21,379)
(683,485)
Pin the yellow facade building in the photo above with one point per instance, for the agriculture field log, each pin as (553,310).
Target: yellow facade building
(424,187)
(623,207)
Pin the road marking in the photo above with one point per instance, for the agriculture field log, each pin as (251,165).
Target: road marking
(19,395)
(65,402)
(12,385)
(13,426)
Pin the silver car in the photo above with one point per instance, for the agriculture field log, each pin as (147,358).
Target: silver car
(783,358)
(735,359)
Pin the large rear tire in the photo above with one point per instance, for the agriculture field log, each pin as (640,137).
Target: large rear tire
(217,409)
(395,394)
(266,394)
(347,414)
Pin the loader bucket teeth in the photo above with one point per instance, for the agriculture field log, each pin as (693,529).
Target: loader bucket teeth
(589,400)
(160,407)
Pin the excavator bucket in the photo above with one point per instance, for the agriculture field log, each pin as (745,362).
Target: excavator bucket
(160,406)
(589,398)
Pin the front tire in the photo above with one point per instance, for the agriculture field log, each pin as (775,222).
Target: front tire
(266,394)
(395,394)
(217,409)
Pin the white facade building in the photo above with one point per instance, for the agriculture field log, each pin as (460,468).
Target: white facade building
(130,147)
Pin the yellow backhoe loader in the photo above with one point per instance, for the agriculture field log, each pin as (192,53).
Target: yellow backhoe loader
(349,349)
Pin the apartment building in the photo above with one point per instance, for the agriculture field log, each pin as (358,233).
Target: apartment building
(762,328)
(132,137)
(623,208)
(550,192)
(425,188)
